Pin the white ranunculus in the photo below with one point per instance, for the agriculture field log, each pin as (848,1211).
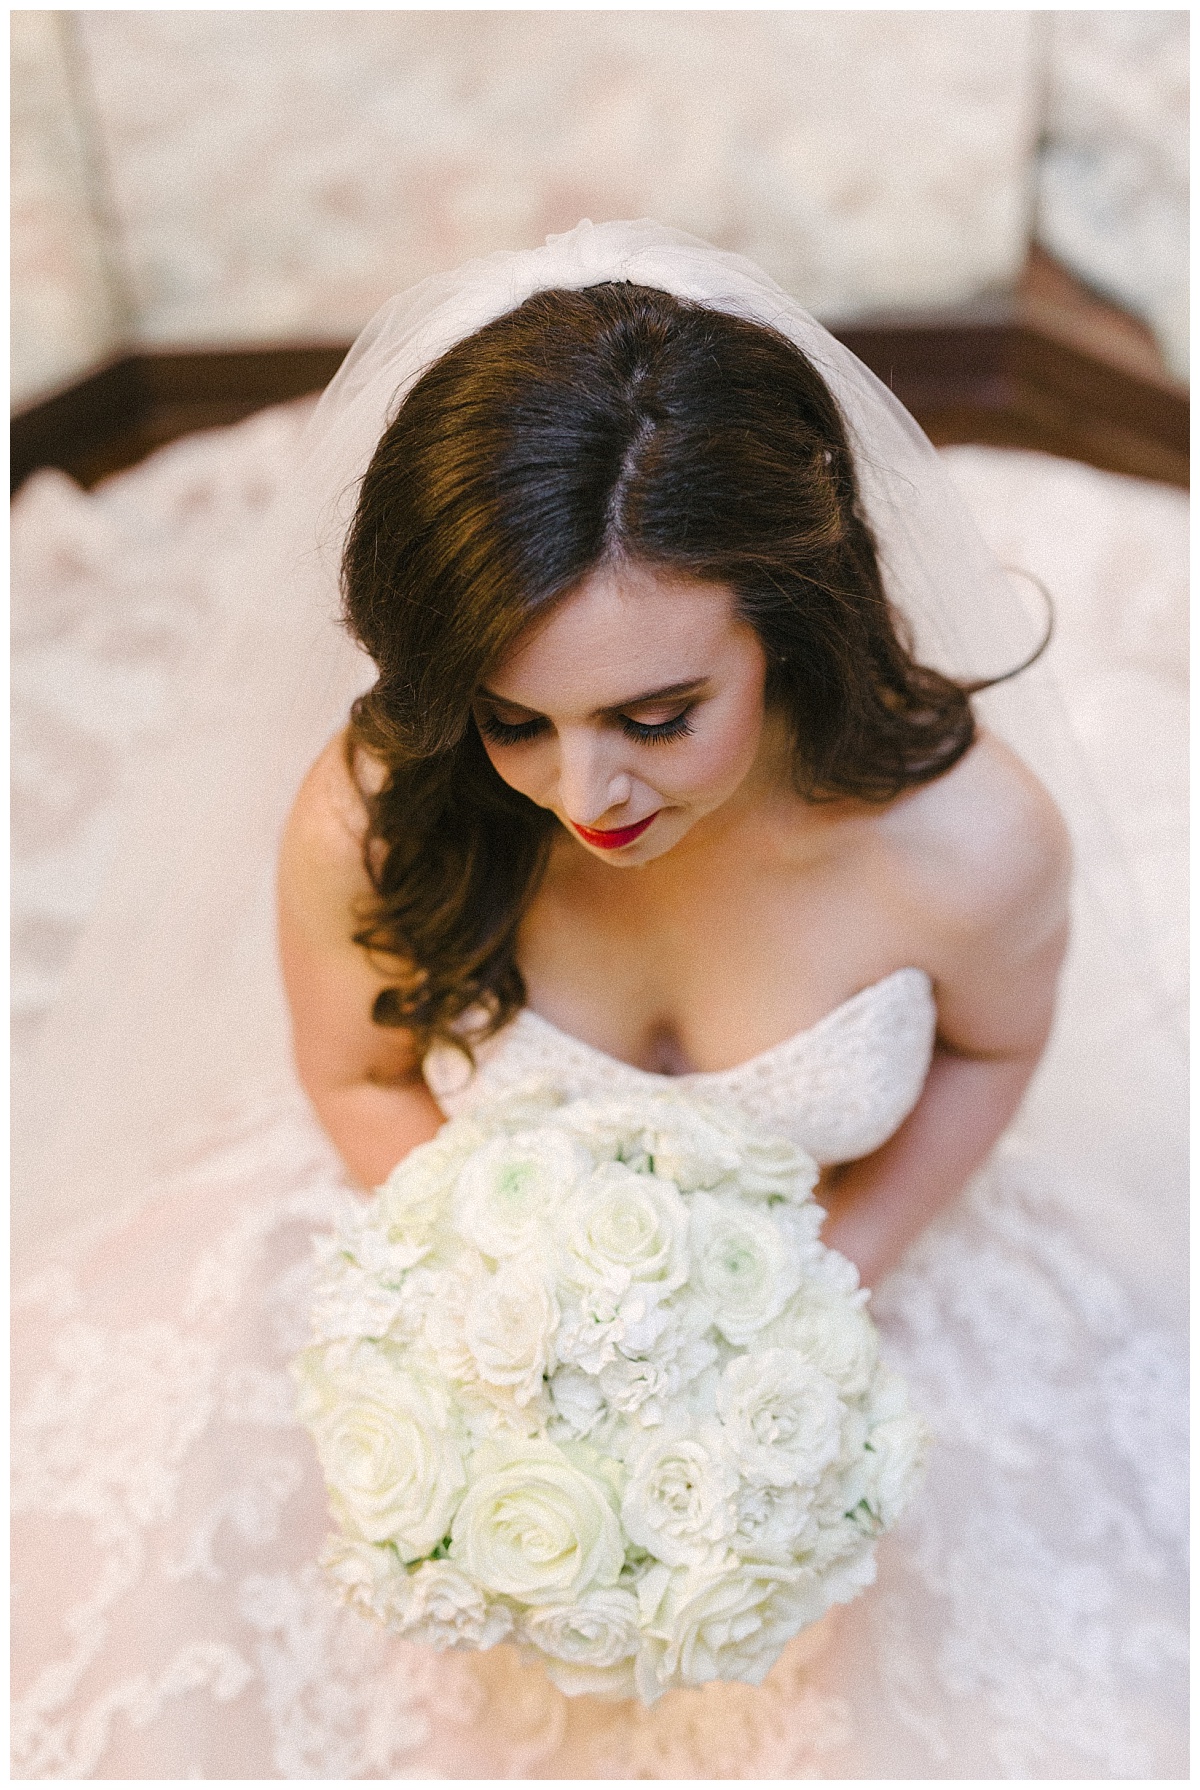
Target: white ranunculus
(367,1576)
(620,1227)
(534,1527)
(731,1621)
(836,1335)
(774,1523)
(509,1321)
(598,1321)
(896,1452)
(679,1501)
(599,1631)
(693,1148)
(535,1103)
(444,1297)
(833,1270)
(887,1396)
(349,1299)
(782,1417)
(844,1485)
(631,1386)
(442,1607)
(388,1444)
(743,1265)
(411,1205)
(772,1168)
(579,1404)
(644,1384)
(508,1190)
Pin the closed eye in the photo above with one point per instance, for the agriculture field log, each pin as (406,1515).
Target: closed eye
(505,733)
(514,733)
(675,729)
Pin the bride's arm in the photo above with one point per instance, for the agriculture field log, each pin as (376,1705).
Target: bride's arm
(364,1080)
(1004,934)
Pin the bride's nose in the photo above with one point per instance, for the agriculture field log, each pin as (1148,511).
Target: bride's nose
(589,786)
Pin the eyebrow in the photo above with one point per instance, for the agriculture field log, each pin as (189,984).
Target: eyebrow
(631,702)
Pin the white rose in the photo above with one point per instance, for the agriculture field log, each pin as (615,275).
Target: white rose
(743,1265)
(896,1456)
(835,1334)
(620,1227)
(782,1418)
(509,1322)
(507,1191)
(599,1631)
(387,1443)
(731,1622)
(535,1527)
(679,1499)
(575,1678)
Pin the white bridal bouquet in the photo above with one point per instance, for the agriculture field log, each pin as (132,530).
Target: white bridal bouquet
(584,1378)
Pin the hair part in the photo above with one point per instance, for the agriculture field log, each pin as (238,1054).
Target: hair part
(586,427)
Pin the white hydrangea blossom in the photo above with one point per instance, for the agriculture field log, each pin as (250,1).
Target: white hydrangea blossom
(584,1377)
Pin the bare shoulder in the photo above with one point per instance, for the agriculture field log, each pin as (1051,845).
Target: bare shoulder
(321,853)
(325,898)
(329,813)
(983,844)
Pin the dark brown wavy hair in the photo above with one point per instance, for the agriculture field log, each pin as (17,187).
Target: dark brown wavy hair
(617,421)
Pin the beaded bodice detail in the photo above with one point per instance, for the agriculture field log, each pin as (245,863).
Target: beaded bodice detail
(839,1088)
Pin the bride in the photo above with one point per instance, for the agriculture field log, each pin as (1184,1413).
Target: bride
(619,536)
(656,775)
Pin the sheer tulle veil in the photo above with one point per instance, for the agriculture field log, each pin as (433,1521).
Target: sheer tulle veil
(171,1030)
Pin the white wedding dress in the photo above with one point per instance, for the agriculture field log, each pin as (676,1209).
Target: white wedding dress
(169,1618)
(1028,1616)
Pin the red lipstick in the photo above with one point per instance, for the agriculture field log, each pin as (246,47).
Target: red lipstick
(609,839)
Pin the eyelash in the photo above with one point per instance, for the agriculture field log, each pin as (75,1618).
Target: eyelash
(504,733)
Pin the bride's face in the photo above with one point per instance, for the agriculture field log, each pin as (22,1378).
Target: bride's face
(632,713)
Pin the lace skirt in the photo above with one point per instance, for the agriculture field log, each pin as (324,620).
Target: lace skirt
(1028,1619)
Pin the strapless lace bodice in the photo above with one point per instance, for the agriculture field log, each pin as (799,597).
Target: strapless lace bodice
(840,1088)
